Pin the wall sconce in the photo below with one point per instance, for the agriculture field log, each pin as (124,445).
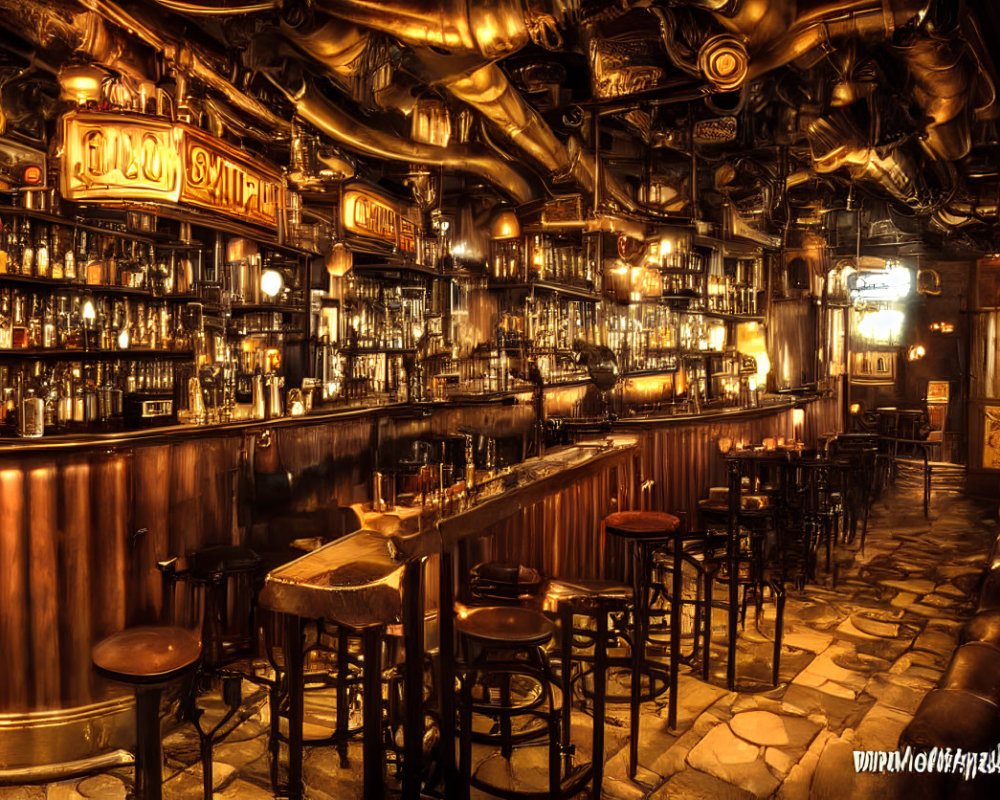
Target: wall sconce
(916,352)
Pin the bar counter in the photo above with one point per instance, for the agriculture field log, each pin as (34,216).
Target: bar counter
(84,520)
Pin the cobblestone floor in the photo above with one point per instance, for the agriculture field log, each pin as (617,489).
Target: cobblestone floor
(858,657)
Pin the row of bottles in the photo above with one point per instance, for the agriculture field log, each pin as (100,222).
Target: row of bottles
(55,321)
(59,397)
(383,316)
(33,249)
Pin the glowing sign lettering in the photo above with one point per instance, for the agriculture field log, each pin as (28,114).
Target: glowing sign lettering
(111,157)
(220,179)
(131,160)
(366,214)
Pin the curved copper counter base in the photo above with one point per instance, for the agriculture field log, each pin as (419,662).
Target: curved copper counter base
(42,745)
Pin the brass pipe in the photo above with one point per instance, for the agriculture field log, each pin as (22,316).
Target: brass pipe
(493,30)
(189,59)
(335,123)
(941,78)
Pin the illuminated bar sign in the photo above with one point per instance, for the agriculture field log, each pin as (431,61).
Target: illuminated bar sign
(891,284)
(374,216)
(112,157)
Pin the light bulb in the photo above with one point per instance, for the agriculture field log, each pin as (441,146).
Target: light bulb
(271,282)
(88,312)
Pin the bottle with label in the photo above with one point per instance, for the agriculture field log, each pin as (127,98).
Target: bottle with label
(31,411)
(94,269)
(27,248)
(59,245)
(6,331)
(34,323)
(19,322)
(42,252)
(49,335)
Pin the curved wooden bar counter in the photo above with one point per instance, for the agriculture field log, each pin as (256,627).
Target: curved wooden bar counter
(83,521)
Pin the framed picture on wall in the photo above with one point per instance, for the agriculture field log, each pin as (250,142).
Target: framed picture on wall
(988,283)
(874,367)
(991,437)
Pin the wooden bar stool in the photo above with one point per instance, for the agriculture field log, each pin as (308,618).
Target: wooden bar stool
(597,599)
(501,643)
(148,658)
(644,530)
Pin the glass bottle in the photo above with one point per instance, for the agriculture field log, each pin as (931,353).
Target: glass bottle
(94,270)
(31,410)
(35,323)
(5,321)
(49,337)
(5,247)
(74,326)
(19,323)
(26,248)
(42,252)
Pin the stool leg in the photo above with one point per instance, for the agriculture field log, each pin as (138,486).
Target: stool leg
(343,675)
(779,618)
(374,786)
(600,689)
(638,648)
(566,667)
(465,733)
(675,633)
(148,754)
(294,668)
(707,644)
(506,726)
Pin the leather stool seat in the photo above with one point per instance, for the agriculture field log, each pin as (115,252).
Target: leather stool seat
(506,625)
(984,627)
(147,654)
(222,558)
(585,589)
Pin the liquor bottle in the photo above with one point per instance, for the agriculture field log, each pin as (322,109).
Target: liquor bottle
(5,321)
(68,257)
(49,337)
(59,245)
(31,410)
(42,252)
(19,323)
(26,247)
(34,323)
(74,326)
(81,254)
(5,247)
(95,266)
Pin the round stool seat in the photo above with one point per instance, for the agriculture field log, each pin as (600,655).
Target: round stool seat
(146,654)
(641,524)
(506,625)
(222,558)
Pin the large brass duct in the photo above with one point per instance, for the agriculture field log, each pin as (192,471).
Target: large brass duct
(313,107)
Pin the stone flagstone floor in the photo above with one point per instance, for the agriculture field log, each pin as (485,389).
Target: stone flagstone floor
(858,656)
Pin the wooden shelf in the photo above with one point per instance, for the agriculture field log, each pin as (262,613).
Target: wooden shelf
(109,355)
(546,286)
(66,285)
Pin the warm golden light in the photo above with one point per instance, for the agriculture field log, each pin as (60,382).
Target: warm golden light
(855,408)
